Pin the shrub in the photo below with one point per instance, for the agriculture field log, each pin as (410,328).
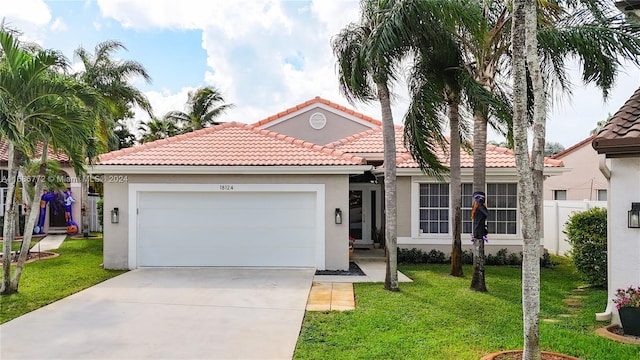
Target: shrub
(502,257)
(587,233)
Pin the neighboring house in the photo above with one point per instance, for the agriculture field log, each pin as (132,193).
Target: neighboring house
(582,180)
(619,142)
(55,220)
(246,195)
(581,187)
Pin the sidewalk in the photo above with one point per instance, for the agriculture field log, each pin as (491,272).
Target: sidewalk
(49,242)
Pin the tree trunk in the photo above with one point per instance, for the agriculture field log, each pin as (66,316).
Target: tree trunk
(479,184)
(84,211)
(389,138)
(456,191)
(522,36)
(32,216)
(15,159)
(531,263)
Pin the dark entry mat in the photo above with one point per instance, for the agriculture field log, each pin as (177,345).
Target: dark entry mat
(354,270)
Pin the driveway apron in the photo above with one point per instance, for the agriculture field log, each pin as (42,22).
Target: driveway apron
(169,313)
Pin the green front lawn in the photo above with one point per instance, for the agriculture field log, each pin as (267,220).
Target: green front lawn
(438,317)
(45,281)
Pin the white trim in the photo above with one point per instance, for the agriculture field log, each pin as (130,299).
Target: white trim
(205,170)
(323,107)
(134,191)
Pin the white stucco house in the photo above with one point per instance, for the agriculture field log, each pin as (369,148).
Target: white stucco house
(619,143)
(288,190)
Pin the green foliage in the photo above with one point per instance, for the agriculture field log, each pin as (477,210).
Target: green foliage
(436,317)
(587,233)
(502,257)
(100,206)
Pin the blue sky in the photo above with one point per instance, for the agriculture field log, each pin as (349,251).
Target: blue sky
(264,55)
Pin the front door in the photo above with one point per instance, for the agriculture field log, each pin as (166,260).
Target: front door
(364,212)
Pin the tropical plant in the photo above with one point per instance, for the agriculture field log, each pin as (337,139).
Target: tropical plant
(40,108)
(203,107)
(156,129)
(365,74)
(112,80)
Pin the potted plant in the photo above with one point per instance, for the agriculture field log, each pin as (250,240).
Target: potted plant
(628,303)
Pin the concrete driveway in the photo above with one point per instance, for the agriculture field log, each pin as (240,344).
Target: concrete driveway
(170,313)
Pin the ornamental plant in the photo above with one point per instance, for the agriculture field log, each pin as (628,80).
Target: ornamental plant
(587,233)
(629,297)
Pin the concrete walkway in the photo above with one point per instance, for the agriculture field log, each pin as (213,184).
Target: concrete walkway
(49,242)
(185,313)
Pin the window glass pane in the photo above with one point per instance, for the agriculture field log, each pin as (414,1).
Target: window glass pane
(491,227)
(424,189)
(444,227)
(444,215)
(423,214)
(602,195)
(424,201)
(433,227)
(501,228)
(511,228)
(444,201)
(511,215)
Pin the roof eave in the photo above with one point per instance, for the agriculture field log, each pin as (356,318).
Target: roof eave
(225,170)
(620,147)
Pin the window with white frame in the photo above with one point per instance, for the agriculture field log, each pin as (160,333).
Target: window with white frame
(434,208)
(502,203)
(602,195)
(559,194)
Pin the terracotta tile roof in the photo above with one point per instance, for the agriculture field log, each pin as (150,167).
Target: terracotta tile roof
(318,100)
(59,156)
(574,147)
(370,141)
(621,135)
(230,144)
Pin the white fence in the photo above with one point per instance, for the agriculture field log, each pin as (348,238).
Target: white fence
(556,214)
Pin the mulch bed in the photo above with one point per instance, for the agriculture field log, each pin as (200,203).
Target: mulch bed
(517,355)
(33,256)
(354,270)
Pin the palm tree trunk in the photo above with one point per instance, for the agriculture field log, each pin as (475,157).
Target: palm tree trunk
(15,159)
(479,184)
(389,139)
(532,189)
(456,195)
(32,216)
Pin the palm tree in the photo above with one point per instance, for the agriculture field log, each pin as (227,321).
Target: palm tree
(203,107)
(365,74)
(111,79)
(156,129)
(38,106)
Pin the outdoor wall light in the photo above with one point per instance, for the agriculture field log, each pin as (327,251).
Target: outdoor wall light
(115,216)
(634,216)
(338,216)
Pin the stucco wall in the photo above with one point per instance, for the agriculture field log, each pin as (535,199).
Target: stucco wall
(584,179)
(403,193)
(336,196)
(337,127)
(623,243)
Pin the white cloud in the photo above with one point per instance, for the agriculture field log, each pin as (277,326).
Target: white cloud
(35,12)
(58,25)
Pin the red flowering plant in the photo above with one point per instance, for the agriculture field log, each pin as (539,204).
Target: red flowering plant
(352,242)
(629,297)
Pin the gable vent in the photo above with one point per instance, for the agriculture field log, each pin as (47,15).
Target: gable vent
(318,121)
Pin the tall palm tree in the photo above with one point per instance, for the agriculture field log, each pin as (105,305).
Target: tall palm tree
(156,129)
(203,107)
(365,74)
(425,31)
(38,106)
(112,80)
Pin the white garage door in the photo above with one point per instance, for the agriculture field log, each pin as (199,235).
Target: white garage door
(226,229)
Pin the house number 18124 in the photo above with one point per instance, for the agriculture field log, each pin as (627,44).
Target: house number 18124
(226,187)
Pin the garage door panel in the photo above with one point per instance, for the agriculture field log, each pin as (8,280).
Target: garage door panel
(226,229)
